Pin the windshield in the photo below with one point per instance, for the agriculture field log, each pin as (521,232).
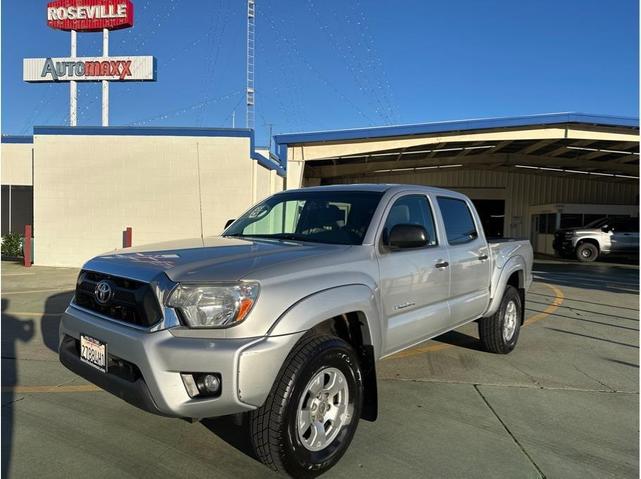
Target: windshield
(336,217)
(597,223)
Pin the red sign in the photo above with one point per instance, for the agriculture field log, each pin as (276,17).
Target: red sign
(90,15)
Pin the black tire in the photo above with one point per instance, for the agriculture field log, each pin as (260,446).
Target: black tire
(587,252)
(273,426)
(491,329)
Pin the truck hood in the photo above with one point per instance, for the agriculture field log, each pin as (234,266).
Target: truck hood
(580,230)
(207,259)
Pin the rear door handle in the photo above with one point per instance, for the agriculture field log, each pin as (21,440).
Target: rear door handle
(483,257)
(442,264)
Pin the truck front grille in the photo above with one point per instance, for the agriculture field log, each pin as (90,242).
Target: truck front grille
(132,302)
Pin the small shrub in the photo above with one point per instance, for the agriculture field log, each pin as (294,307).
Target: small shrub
(12,244)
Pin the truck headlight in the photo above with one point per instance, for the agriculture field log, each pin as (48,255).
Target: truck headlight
(213,306)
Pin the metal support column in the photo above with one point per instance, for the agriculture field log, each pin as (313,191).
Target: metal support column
(105,83)
(73,86)
(251,48)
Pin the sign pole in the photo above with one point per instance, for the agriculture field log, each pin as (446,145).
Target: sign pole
(73,87)
(105,83)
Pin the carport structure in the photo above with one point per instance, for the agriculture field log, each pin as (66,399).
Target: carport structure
(510,164)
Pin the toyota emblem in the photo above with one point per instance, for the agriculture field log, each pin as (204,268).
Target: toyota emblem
(103,292)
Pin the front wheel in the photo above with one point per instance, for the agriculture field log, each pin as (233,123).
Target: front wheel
(311,414)
(587,252)
(500,332)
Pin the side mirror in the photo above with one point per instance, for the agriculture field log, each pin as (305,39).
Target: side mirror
(407,236)
(229,222)
(606,228)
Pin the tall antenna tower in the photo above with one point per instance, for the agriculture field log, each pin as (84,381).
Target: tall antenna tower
(251,47)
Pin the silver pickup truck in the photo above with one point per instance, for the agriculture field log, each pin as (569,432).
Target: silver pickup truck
(284,316)
(599,238)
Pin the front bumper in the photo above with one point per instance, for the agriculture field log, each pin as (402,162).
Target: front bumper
(563,244)
(154,361)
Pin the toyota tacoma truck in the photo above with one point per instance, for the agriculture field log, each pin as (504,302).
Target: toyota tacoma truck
(283,318)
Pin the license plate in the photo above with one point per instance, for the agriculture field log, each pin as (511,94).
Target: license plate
(93,352)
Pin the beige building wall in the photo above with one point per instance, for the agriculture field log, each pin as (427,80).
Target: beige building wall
(88,189)
(16,164)
(519,190)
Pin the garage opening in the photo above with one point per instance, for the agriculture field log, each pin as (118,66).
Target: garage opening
(492,213)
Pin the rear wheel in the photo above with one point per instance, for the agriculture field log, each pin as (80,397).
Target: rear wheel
(311,414)
(587,252)
(500,332)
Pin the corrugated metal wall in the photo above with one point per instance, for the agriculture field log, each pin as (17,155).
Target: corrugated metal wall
(519,190)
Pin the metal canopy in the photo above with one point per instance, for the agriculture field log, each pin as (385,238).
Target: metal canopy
(559,144)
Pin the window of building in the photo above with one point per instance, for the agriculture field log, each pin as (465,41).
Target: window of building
(571,220)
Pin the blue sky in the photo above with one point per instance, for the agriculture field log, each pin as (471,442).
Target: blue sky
(328,64)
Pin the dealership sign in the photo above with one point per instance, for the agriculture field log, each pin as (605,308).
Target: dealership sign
(77,16)
(88,69)
(90,15)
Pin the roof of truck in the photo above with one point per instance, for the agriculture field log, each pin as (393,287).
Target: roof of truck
(377,187)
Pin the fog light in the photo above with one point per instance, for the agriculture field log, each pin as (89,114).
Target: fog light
(208,384)
(202,384)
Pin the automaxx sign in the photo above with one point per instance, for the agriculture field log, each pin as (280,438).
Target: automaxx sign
(139,68)
(77,16)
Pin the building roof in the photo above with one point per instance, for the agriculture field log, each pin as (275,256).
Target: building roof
(558,143)
(456,125)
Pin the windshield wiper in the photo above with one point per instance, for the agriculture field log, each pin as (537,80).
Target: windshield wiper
(288,236)
(277,236)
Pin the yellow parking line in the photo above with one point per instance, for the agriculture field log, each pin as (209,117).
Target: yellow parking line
(84,388)
(420,350)
(554,305)
(70,290)
(29,313)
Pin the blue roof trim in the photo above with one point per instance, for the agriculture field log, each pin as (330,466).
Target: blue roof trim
(269,164)
(141,131)
(455,125)
(162,131)
(17,139)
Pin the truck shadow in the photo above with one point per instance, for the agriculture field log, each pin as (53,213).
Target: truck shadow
(234,430)
(456,338)
(50,321)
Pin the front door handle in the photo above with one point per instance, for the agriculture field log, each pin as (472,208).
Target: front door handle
(483,257)
(442,264)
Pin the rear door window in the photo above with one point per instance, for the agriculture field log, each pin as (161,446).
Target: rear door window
(458,220)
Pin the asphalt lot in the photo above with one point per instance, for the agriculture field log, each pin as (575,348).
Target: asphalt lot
(564,404)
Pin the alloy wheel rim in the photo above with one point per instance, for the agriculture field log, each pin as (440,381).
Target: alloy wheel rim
(510,320)
(323,409)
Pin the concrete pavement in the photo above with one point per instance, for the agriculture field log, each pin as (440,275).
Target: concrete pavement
(564,404)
